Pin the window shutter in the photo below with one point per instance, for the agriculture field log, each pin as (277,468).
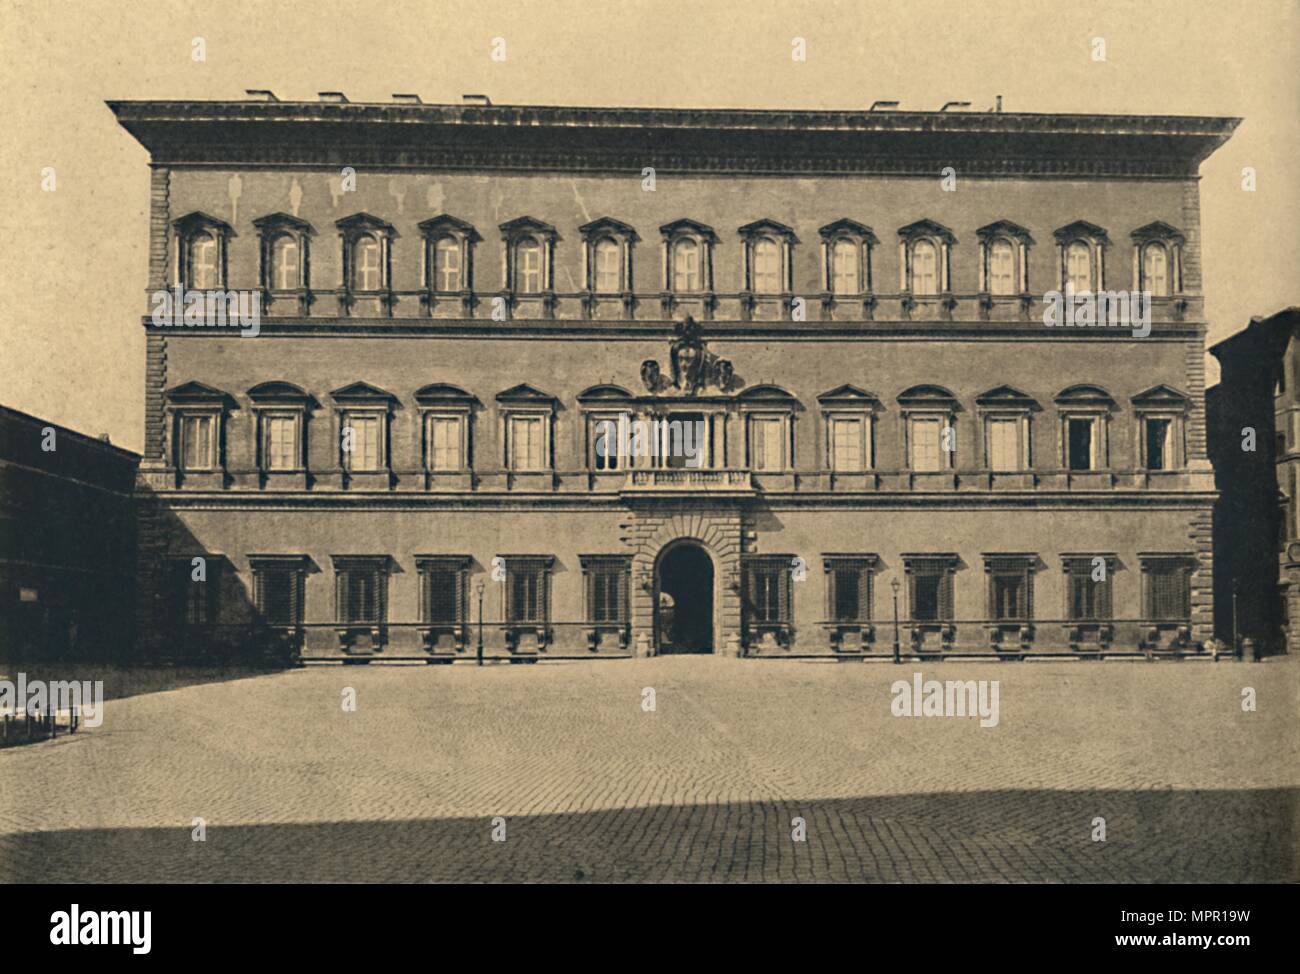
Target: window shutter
(945,596)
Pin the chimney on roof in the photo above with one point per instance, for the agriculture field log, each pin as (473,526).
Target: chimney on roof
(884,106)
(954,104)
(407,99)
(261,94)
(334,96)
(476,100)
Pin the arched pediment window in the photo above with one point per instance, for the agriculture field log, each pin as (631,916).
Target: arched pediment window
(1085,412)
(367,243)
(924,253)
(688,257)
(846,258)
(448,256)
(1004,259)
(607,256)
(285,264)
(446,423)
(1158,260)
(768,256)
(928,414)
(201,245)
(1081,247)
(528,269)
(768,412)
(527,420)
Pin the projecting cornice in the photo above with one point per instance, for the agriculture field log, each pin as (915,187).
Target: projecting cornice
(516,137)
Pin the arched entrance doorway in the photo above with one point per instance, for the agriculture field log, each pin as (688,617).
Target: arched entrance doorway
(684,600)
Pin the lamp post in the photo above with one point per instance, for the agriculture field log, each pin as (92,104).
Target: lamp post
(895,586)
(1236,644)
(478,588)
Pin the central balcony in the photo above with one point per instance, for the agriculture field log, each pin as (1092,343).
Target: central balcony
(678,481)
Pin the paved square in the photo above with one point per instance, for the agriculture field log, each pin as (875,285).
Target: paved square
(704,788)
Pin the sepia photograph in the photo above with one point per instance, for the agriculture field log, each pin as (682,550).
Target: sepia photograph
(650,443)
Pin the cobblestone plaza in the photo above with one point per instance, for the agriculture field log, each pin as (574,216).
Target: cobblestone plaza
(593,787)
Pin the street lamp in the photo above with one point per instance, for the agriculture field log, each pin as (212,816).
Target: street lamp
(478,588)
(895,586)
(1236,643)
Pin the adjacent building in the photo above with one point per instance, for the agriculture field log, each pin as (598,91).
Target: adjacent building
(67,543)
(1254,415)
(631,381)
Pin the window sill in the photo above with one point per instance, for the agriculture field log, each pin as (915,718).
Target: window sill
(448,480)
(366,480)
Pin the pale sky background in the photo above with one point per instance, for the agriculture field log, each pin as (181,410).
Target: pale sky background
(73,263)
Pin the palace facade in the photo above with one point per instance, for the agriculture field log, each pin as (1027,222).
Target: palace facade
(461,303)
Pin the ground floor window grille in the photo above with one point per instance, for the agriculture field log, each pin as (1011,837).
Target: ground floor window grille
(1011,587)
(607,588)
(443,587)
(1167,587)
(849,581)
(528,596)
(929,587)
(361,590)
(767,589)
(1088,587)
(195,601)
(278,589)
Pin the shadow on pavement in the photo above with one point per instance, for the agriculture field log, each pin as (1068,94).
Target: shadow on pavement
(1152,836)
(130,681)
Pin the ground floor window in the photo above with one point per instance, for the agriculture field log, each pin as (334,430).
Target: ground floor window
(278,588)
(361,589)
(443,588)
(929,587)
(195,590)
(848,580)
(1011,587)
(1167,587)
(607,587)
(767,589)
(528,589)
(1088,587)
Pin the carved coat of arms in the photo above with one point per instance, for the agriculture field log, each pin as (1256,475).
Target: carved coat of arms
(691,364)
